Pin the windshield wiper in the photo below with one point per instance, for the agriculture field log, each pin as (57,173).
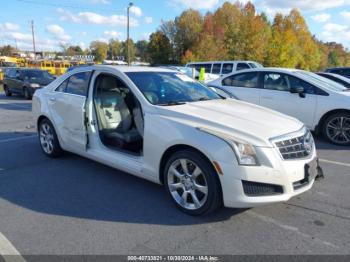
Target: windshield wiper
(172,103)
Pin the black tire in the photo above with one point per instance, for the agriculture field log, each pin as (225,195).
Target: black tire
(56,151)
(328,133)
(26,93)
(214,195)
(7,91)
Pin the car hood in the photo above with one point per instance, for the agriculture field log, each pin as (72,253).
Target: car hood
(236,119)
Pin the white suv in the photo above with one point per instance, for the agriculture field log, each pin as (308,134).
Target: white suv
(163,126)
(222,68)
(321,104)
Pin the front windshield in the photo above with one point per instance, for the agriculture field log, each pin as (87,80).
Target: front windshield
(33,74)
(322,81)
(164,88)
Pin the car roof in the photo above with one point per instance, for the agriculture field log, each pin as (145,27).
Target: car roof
(228,61)
(125,69)
(335,75)
(269,69)
(339,67)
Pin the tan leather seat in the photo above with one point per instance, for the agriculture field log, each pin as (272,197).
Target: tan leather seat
(115,119)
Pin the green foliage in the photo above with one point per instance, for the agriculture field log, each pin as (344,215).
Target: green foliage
(99,50)
(141,50)
(159,48)
(235,32)
(124,50)
(7,50)
(114,49)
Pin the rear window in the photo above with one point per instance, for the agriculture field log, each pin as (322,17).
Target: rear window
(242,66)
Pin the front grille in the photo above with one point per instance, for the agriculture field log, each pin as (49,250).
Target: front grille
(261,189)
(297,147)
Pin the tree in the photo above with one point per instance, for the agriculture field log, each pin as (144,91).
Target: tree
(159,48)
(73,50)
(248,40)
(141,50)
(188,28)
(124,50)
(169,29)
(99,50)
(7,50)
(114,49)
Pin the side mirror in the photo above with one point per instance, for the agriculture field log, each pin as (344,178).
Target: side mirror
(298,90)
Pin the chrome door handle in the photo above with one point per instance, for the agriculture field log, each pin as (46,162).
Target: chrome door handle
(52,99)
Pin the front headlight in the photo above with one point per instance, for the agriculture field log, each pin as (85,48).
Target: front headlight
(245,152)
(33,85)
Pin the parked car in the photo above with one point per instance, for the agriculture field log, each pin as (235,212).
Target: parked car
(223,67)
(321,104)
(343,71)
(336,78)
(163,126)
(25,81)
(188,71)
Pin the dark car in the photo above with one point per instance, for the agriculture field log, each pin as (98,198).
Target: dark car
(343,71)
(336,78)
(25,81)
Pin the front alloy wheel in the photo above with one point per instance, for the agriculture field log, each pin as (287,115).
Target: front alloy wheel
(187,184)
(192,183)
(337,129)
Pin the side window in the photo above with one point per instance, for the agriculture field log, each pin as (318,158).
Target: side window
(62,87)
(78,84)
(242,66)
(347,72)
(249,80)
(227,68)
(275,81)
(308,88)
(216,68)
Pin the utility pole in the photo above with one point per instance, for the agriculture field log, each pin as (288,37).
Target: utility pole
(16,44)
(128,32)
(33,40)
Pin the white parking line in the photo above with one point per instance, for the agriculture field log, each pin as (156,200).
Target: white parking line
(334,162)
(17,138)
(7,249)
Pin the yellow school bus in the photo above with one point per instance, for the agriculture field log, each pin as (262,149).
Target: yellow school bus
(46,65)
(61,67)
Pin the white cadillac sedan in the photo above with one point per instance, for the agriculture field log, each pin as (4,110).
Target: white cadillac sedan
(321,104)
(163,126)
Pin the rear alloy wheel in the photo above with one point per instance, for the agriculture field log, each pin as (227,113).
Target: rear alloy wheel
(7,91)
(192,183)
(26,93)
(336,129)
(48,139)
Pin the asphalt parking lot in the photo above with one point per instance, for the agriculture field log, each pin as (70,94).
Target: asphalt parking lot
(76,206)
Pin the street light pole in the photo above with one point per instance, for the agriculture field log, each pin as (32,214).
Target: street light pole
(32,24)
(128,32)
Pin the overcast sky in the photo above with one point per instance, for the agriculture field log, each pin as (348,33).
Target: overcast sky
(79,22)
